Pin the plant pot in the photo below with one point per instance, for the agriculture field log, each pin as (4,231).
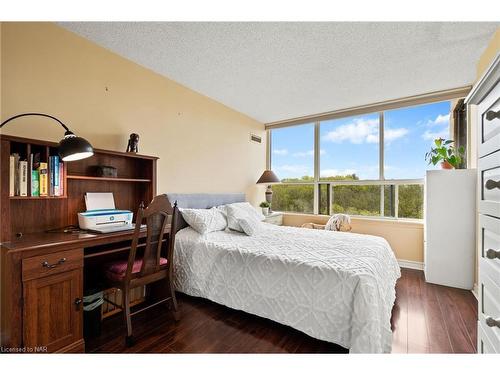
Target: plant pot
(265,211)
(446,165)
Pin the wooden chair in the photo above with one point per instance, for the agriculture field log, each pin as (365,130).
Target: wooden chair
(151,267)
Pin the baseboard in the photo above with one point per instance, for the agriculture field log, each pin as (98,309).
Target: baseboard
(411,264)
(475,291)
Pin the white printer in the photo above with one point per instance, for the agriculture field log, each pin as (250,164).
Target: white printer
(102,216)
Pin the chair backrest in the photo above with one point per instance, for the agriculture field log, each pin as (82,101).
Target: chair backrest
(157,217)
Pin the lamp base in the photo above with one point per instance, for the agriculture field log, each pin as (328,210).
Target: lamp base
(269,197)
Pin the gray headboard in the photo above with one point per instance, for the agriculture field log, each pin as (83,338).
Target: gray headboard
(204,200)
(201,200)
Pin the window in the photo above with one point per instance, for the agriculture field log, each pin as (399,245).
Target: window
(356,200)
(348,147)
(294,198)
(292,153)
(370,165)
(408,134)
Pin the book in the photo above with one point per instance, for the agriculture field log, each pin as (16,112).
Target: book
(23,178)
(43,179)
(12,175)
(16,173)
(55,163)
(30,170)
(35,184)
(61,178)
(51,176)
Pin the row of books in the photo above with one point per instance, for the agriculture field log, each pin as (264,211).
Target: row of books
(47,179)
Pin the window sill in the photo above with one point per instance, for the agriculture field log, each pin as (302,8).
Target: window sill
(367,219)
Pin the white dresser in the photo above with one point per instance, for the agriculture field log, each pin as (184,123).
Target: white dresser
(485,96)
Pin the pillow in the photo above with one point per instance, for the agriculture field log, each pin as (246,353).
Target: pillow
(250,225)
(241,210)
(204,220)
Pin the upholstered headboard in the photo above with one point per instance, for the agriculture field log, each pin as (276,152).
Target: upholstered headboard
(202,200)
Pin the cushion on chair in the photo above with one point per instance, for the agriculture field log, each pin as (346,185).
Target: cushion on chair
(116,270)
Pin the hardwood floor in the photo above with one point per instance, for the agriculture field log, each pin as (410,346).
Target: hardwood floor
(426,318)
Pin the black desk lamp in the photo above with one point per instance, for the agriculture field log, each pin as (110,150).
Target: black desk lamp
(70,147)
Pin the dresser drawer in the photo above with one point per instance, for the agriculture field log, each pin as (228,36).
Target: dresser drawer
(489,240)
(489,178)
(489,119)
(484,346)
(51,264)
(490,309)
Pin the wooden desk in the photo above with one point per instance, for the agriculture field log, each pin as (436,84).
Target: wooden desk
(41,305)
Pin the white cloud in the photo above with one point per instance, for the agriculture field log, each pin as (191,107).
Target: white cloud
(308,153)
(393,134)
(282,151)
(440,120)
(363,131)
(358,131)
(443,133)
(336,172)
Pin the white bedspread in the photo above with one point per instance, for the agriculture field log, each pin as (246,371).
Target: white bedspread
(334,286)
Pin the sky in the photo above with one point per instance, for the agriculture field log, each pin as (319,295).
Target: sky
(351,145)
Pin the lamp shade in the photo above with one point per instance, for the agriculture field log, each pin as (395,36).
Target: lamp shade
(73,148)
(268,177)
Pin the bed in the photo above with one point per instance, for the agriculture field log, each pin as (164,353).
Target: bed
(334,286)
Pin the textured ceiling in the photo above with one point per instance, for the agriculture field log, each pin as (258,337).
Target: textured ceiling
(276,71)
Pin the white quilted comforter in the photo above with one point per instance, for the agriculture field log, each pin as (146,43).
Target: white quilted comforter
(334,286)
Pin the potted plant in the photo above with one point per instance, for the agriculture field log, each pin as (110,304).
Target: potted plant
(265,208)
(445,153)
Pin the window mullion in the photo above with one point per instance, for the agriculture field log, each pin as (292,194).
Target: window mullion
(396,201)
(316,167)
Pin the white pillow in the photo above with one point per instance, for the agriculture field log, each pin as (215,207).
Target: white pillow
(204,220)
(250,225)
(241,210)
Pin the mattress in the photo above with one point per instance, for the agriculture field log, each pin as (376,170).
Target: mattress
(334,286)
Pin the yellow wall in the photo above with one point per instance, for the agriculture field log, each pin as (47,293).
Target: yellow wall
(405,237)
(203,145)
(489,54)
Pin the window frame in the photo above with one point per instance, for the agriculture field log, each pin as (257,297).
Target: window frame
(379,108)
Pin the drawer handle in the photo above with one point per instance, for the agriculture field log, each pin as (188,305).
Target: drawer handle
(491,184)
(491,115)
(59,262)
(490,322)
(492,254)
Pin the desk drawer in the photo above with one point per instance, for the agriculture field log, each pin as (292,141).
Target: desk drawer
(489,314)
(51,264)
(489,175)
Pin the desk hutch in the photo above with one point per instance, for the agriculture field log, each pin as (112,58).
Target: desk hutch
(42,273)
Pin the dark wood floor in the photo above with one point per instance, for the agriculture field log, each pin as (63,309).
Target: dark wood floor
(427,318)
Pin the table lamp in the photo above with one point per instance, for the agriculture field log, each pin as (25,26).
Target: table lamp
(268,178)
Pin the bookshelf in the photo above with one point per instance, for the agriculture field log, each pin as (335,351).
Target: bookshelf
(135,183)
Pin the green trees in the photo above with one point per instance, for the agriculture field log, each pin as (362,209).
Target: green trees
(350,199)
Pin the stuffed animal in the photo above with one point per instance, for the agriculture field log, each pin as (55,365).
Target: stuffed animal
(339,222)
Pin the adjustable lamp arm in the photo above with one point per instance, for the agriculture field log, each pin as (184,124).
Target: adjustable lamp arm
(35,114)
(70,147)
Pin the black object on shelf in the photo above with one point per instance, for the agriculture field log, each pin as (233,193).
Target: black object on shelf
(105,171)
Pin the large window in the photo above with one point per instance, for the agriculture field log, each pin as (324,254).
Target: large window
(370,165)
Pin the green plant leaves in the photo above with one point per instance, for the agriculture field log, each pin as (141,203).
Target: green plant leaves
(445,151)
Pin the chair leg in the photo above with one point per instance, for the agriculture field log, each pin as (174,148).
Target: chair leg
(175,309)
(126,311)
